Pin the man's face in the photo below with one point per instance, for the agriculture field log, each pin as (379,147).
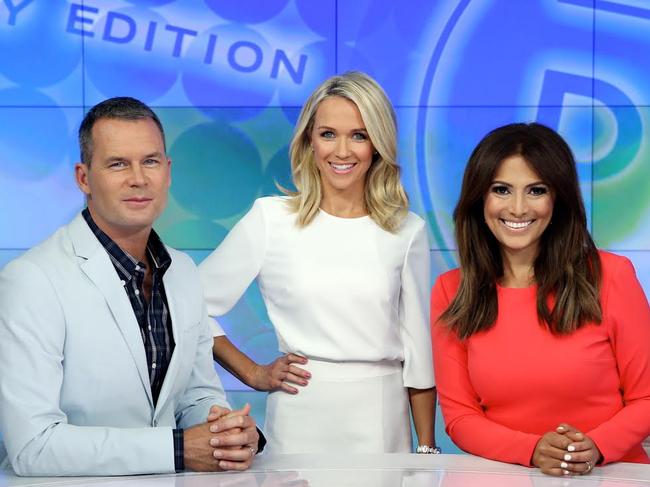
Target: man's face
(128,180)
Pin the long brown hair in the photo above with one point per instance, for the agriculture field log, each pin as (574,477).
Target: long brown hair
(567,268)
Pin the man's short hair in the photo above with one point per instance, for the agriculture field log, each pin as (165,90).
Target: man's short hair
(120,108)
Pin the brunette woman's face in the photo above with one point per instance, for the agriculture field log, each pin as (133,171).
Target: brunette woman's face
(517,208)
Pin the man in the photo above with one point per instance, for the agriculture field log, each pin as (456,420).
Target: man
(105,349)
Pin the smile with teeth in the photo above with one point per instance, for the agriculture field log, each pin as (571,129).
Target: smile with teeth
(341,168)
(516,225)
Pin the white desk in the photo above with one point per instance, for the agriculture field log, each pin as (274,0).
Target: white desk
(364,471)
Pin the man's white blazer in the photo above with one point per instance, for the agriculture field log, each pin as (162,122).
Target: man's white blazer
(75,397)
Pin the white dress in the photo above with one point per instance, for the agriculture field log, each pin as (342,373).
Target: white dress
(353,299)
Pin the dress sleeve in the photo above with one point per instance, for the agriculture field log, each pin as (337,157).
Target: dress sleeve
(465,420)
(626,312)
(215,327)
(413,313)
(228,271)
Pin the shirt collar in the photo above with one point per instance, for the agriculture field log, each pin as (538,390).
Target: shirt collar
(125,264)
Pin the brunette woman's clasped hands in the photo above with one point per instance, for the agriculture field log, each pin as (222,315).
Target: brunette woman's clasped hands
(566,451)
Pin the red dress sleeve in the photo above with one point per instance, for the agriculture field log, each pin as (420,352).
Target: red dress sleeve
(465,420)
(627,315)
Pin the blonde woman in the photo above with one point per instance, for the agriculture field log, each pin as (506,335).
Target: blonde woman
(343,267)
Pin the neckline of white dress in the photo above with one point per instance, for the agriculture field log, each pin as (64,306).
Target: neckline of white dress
(352,218)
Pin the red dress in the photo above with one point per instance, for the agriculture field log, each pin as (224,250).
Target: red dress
(503,388)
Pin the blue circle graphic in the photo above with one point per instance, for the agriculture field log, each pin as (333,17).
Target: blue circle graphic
(217,170)
(150,3)
(247,11)
(46,52)
(278,170)
(117,58)
(321,21)
(193,234)
(229,65)
(320,65)
(362,18)
(34,140)
(421,125)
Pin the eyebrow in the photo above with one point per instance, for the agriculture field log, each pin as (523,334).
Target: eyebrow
(320,127)
(156,154)
(536,183)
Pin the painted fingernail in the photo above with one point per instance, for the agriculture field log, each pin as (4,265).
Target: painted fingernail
(567,457)
(565,472)
(560,428)
(564,465)
(571,448)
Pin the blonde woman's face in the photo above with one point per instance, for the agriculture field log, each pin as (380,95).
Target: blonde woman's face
(342,149)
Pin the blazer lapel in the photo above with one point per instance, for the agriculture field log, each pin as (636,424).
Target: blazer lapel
(172,293)
(97,265)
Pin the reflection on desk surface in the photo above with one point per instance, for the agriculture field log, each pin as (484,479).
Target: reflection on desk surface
(336,470)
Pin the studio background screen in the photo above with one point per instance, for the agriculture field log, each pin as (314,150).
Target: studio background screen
(228,79)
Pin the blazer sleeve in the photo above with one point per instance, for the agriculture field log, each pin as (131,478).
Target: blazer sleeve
(414,311)
(228,271)
(465,421)
(626,312)
(36,433)
(204,388)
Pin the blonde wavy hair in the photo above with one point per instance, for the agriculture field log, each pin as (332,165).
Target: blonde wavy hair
(385,198)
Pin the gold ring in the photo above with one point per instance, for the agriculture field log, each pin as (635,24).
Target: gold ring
(589,466)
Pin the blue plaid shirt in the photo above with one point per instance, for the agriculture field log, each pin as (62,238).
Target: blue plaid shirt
(153,317)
